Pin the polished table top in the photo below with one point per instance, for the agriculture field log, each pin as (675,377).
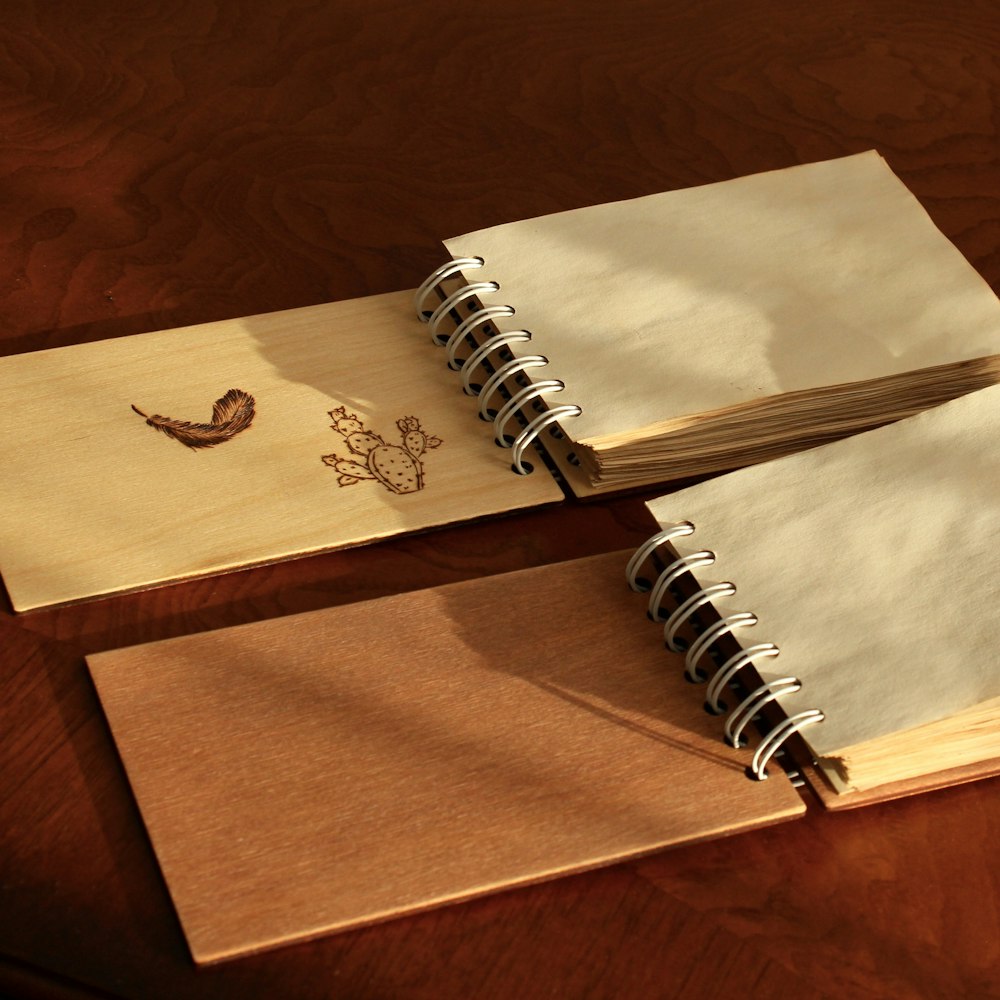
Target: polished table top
(170,164)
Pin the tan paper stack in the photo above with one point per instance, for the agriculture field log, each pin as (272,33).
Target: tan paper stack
(718,326)
(871,563)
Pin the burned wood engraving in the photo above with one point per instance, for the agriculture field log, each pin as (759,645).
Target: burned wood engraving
(231,414)
(398,467)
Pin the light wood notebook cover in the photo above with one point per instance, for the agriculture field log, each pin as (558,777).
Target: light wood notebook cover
(331,769)
(783,308)
(95,501)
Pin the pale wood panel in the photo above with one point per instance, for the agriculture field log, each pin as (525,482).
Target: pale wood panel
(94,501)
(344,766)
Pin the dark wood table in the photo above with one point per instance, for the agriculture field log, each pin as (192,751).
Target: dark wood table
(167,164)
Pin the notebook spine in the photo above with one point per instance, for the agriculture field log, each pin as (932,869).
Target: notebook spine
(494,356)
(731,670)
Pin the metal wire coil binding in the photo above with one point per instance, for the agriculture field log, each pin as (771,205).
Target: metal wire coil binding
(457,297)
(732,666)
(649,546)
(503,372)
(534,429)
(783,731)
(696,560)
(764,693)
(435,278)
(468,325)
(744,713)
(689,607)
(512,367)
(482,352)
(522,396)
(699,647)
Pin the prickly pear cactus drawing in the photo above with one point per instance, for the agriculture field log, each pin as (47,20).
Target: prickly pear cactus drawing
(398,467)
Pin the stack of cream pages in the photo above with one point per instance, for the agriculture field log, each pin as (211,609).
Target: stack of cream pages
(707,328)
(872,564)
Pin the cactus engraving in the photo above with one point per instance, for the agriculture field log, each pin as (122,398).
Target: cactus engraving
(398,467)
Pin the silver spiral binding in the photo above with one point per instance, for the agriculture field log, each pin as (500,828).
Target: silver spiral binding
(697,560)
(468,325)
(751,705)
(649,546)
(699,647)
(534,428)
(744,713)
(457,297)
(435,278)
(783,731)
(689,607)
(732,667)
(516,400)
(503,372)
(522,396)
(483,351)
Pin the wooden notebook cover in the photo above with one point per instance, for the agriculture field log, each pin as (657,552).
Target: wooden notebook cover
(336,768)
(94,501)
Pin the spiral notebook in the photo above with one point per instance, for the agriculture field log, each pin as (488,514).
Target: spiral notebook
(627,343)
(705,329)
(861,580)
(353,433)
(331,769)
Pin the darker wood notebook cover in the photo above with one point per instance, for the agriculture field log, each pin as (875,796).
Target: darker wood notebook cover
(336,768)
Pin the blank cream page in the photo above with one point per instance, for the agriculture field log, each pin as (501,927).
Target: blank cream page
(679,303)
(873,563)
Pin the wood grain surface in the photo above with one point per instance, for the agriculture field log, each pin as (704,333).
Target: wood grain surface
(167,164)
(452,737)
(96,504)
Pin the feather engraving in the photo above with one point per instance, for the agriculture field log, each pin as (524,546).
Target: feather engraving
(231,414)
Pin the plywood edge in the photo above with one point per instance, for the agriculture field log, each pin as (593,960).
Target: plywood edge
(834,800)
